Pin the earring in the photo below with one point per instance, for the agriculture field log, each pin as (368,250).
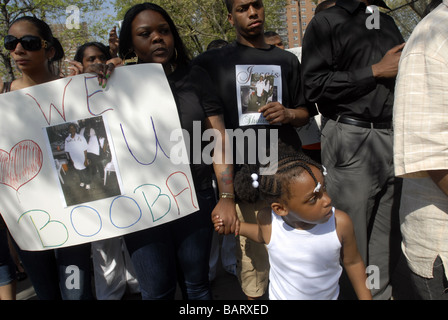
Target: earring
(175,54)
(128,61)
(173,63)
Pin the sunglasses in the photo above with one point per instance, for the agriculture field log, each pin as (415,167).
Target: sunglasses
(29,43)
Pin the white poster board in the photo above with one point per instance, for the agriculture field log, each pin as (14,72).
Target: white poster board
(42,200)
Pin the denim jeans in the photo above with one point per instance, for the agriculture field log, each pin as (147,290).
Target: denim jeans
(435,288)
(7,266)
(51,278)
(175,252)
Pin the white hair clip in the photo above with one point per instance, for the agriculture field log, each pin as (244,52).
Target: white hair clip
(254,177)
(317,189)
(324,171)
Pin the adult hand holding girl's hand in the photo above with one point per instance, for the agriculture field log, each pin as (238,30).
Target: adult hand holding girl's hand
(218,223)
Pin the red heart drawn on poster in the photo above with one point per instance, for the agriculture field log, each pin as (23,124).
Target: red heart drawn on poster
(22,164)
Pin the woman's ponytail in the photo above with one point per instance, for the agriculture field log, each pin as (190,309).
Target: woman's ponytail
(59,51)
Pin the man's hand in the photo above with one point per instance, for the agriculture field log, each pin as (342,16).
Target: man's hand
(276,113)
(388,66)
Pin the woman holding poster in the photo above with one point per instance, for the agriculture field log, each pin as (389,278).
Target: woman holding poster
(178,251)
(37,54)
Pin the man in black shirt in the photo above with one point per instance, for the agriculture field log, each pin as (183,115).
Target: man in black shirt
(234,71)
(349,71)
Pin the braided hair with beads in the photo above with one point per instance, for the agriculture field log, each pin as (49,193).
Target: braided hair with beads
(271,188)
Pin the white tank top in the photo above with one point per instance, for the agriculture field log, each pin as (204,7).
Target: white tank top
(305,264)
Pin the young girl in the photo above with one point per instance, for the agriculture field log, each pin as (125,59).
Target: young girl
(305,236)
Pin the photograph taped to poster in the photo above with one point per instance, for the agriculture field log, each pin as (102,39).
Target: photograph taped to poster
(133,185)
(257,85)
(74,143)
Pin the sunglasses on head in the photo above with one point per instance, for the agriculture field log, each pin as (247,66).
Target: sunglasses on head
(30,43)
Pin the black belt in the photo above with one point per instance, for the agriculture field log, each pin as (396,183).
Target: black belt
(362,123)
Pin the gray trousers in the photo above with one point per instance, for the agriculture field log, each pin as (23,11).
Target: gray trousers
(361,182)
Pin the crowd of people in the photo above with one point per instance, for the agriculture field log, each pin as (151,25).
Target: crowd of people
(311,228)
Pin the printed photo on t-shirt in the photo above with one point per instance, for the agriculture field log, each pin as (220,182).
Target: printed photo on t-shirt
(256,85)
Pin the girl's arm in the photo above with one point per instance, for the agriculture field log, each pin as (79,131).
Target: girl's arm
(351,259)
(259,232)
(249,230)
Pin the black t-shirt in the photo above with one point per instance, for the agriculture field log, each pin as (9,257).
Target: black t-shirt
(194,105)
(236,72)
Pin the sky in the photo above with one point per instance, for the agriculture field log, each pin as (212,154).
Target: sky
(99,16)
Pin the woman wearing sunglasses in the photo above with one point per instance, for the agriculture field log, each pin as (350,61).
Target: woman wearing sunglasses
(37,54)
